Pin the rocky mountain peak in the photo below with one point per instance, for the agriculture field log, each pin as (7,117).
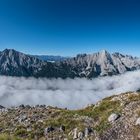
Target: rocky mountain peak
(104,55)
(103,52)
(9,51)
(15,63)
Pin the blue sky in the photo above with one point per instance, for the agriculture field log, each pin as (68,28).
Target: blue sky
(68,27)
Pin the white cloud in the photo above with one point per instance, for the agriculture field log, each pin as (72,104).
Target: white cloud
(71,93)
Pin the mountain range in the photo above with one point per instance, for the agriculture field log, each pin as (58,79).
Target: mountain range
(103,63)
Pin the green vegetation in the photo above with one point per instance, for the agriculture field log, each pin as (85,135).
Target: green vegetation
(134,97)
(73,118)
(8,137)
(21,132)
(94,116)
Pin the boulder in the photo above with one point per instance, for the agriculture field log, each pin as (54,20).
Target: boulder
(113,117)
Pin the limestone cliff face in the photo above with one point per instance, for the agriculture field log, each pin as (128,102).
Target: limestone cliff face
(14,63)
(102,63)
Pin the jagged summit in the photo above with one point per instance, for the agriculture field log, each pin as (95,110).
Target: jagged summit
(15,63)
(104,52)
(8,50)
(103,63)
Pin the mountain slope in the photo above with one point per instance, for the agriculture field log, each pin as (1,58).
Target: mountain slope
(113,118)
(14,63)
(102,64)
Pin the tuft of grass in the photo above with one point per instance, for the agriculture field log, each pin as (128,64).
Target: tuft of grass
(21,132)
(134,97)
(8,137)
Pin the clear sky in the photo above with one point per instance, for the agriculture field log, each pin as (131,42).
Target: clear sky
(68,27)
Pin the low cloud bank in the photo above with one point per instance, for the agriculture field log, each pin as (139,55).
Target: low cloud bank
(70,93)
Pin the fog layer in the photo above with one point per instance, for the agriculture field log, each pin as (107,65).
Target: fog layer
(70,93)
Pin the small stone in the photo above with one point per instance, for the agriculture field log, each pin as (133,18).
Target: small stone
(87,131)
(138,121)
(22,106)
(96,138)
(29,129)
(1,107)
(75,133)
(48,130)
(27,106)
(113,117)
(22,118)
(43,106)
(62,128)
(80,135)
(40,121)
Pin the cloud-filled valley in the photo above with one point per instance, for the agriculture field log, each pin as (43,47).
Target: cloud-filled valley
(70,93)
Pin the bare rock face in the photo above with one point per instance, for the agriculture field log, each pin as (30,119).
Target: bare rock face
(14,63)
(102,64)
